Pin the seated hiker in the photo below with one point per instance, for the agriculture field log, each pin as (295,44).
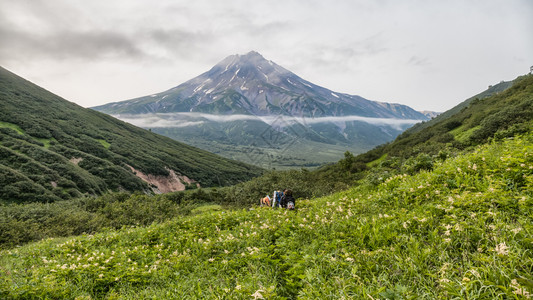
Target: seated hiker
(265,201)
(287,201)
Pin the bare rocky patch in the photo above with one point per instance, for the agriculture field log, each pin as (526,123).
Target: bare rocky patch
(164,184)
(76,160)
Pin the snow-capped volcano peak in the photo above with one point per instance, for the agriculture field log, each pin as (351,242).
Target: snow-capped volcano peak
(251,84)
(250,67)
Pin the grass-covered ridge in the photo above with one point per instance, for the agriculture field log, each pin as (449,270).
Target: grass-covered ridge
(462,230)
(502,111)
(52,149)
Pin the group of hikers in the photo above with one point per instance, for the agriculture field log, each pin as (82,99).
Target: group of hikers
(279,199)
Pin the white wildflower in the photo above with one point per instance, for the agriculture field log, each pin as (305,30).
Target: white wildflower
(257,294)
(502,249)
(519,290)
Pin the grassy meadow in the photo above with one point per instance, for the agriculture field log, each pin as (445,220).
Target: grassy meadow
(463,230)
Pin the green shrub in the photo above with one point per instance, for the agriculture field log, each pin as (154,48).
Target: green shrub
(416,164)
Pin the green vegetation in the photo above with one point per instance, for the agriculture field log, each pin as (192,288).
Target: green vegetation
(20,224)
(52,149)
(11,126)
(462,230)
(506,112)
(443,212)
(23,223)
(105,144)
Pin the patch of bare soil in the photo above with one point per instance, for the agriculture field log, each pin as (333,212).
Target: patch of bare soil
(76,160)
(165,184)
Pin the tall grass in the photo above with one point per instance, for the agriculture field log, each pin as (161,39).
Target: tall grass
(461,231)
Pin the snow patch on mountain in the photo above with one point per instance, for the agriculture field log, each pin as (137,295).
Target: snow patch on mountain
(306,84)
(236,72)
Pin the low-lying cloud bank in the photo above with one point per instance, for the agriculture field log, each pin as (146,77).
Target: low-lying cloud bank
(186,119)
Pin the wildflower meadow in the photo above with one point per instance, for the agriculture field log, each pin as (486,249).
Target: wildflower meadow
(461,231)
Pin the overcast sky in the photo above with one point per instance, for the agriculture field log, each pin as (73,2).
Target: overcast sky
(428,54)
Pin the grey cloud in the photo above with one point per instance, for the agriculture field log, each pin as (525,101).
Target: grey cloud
(68,45)
(339,56)
(178,42)
(418,61)
(56,33)
(71,30)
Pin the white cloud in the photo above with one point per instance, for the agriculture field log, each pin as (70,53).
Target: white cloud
(185,119)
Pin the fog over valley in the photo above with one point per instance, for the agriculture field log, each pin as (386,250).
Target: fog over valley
(186,119)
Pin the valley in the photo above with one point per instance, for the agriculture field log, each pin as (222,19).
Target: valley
(251,109)
(431,214)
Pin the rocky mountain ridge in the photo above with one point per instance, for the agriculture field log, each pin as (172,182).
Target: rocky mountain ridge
(250,84)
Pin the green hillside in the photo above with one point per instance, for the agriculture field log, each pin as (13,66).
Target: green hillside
(463,230)
(492,90)
(440,213)
(501,112)
(52,149)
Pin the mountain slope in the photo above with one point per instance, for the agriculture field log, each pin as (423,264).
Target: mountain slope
(250,84)
(245,100)
(53,149)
